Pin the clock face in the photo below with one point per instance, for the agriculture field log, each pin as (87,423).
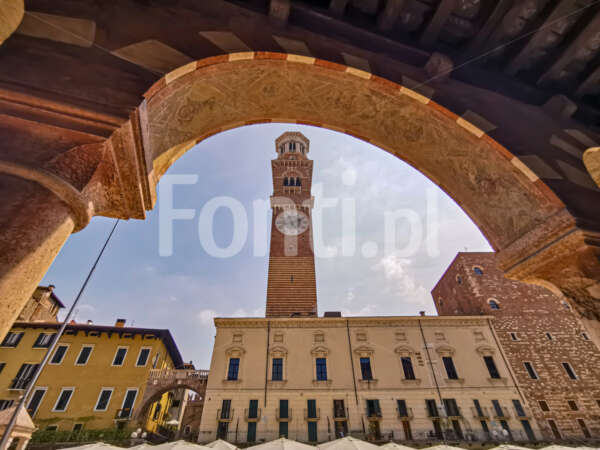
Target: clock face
(292,222)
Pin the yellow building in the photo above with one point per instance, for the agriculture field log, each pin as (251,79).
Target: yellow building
(95,378)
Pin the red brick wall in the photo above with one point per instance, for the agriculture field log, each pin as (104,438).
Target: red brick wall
(530,312)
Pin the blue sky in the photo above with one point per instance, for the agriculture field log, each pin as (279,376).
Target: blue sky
(185,291)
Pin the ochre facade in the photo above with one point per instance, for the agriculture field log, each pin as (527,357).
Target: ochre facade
(533,326)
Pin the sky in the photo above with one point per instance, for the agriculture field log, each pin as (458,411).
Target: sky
(384,234)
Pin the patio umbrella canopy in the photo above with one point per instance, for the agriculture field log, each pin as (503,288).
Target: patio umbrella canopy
(394,446)
(444,447)
(348,443)
(282,444)
(219,444)
(509,447)
(179,445)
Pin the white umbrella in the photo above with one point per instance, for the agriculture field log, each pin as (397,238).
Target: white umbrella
(557,447)
(97,446)
(509,447)
(346,443)
(221,445)
(443,447)
(178,445)
(394,446)
(282,444)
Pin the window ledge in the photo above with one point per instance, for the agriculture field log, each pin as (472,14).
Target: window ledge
(415,381)
(226,381)
(277,383)
(500,380)
(322,382)
(368,382)
(454,381)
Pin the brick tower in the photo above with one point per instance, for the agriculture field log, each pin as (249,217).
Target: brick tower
(291,288)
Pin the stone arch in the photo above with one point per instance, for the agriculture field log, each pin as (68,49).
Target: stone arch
(196,101)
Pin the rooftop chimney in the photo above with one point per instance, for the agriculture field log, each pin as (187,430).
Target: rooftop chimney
(421,313)
(120,323)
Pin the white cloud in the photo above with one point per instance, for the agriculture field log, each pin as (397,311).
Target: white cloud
(206,316)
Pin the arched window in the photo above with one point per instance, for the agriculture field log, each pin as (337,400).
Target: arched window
(458,279)
(298,183)
(282,148)
(478,270)
(286,181)
(493,304)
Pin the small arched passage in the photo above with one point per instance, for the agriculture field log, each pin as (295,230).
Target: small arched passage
(152,395)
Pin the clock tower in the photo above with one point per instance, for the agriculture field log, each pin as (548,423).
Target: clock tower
(291,288)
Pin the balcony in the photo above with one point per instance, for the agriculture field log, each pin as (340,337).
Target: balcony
(522,413)
(373,414)
(480,414)
(283,415)
(124,414)
(454,413)
(405,413)
(225,415)
(340,413)
(501,413)
(313,415)
(19,384)
(252,415)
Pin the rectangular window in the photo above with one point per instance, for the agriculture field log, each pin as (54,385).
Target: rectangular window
(451,407)
(277,369)
(554,429)
(518,408)
(497,408)
(312,431)
(103,399)
(339,410)
(251,437)
(365,369)
(5,404)
(2,367)
(407,367)
(457,429)
(223,430)
(283,409)
(12,339)
(119,358)
(283,429)
(573,405)
(585,336)
(402,409)
(77,427)
(528,430)
(432,410)
(24,376)
(311,409)
(84,355)
(142,359)
(128,402)
(491,367)
(584,428)
(373,408)
(234,369)
(321,369)
(59,354)
(548,336)
(484,427)
(543,405)
(569,370)
(62,402)
(44,340)
(450,368)
(514,336)
(478,409)
(530,370)
(35,401)
(253,409)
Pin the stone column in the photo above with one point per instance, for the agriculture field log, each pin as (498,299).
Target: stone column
(34,225)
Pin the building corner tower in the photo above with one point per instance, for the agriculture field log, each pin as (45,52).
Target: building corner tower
(291,286)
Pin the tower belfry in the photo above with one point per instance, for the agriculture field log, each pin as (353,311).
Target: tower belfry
(291,287)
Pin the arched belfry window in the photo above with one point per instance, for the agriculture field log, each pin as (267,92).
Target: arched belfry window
(298,183)
(286,181)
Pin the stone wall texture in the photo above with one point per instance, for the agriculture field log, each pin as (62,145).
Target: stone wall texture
(532,325)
